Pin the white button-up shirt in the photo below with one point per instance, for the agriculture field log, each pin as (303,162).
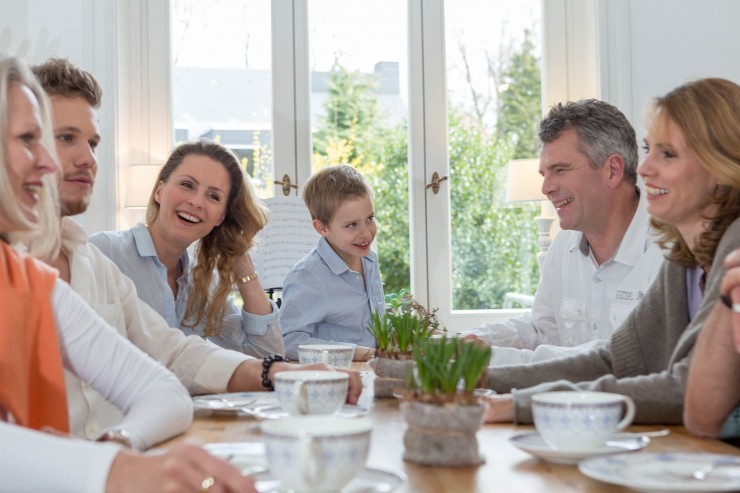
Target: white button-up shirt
(577,300)
(199,365)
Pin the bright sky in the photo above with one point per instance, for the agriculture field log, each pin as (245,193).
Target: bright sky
(358,33)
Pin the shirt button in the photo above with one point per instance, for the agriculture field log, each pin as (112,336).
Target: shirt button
(92,429)
(595,326)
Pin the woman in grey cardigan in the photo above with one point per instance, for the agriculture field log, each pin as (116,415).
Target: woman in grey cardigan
(692,178)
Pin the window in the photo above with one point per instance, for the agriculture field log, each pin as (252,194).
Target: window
(465,102)
(222,80)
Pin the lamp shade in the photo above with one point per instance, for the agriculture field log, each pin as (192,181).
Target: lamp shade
(139,184)
(524,181)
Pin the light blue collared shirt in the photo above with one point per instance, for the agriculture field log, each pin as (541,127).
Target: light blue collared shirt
(134,253)
(326,302)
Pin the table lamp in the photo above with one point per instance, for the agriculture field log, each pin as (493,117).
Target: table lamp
(524,184)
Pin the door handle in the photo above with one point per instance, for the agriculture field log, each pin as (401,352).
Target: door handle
(286,185)
(436,180)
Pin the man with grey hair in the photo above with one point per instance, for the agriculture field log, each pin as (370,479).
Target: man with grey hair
(599,267)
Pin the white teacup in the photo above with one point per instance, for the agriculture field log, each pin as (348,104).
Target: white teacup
(331,354)
(316,453)
(311,392)
(580,421)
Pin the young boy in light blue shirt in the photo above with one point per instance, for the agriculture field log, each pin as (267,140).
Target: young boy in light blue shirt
(328,295)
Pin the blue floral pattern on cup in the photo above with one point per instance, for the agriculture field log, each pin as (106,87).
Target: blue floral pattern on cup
(334,355)
(579,420)
(316,453)
(320,392)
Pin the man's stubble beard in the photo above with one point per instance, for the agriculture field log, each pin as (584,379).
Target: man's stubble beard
(74,207)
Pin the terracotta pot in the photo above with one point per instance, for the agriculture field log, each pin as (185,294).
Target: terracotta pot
(390,375)
(442,435)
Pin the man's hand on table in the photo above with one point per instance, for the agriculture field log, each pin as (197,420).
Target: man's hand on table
(499,408)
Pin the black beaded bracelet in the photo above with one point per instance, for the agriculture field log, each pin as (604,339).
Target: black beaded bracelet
(267,362)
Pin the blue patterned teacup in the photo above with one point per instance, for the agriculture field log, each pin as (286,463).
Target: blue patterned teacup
(311,392)
(332,354)
(577,421)
(316,453)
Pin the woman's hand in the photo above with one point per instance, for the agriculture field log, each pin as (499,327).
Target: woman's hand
(184,468)
(730,289)
(499,408)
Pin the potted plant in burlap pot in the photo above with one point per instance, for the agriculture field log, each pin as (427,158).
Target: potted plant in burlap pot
(403,326)
(442,413)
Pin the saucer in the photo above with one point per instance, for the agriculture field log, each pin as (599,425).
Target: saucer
(233,402)
(367,481)
(534,444)
(277,412)
(666,472)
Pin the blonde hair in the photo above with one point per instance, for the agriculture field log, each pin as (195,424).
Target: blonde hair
(707,113)
(13,70)
(326,190)
(222,247)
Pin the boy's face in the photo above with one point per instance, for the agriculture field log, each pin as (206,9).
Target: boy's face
(351,231)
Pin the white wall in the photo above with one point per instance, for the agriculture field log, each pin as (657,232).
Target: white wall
(669,42)
(83,31)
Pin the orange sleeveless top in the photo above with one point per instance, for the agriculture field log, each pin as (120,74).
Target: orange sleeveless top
(32,387)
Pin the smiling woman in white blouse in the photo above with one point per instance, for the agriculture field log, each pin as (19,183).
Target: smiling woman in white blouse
(201,197)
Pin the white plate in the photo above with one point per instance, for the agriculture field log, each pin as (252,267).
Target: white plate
(249,457)
(233,402)
(367,481)
(663,472)
(277,412)
(534,444)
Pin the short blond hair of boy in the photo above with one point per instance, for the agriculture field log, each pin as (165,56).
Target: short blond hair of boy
(326,190)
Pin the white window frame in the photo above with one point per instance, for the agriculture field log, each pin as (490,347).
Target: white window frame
(575,39)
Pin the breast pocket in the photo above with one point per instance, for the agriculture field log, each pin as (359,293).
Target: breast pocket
(618,313)
(573,330)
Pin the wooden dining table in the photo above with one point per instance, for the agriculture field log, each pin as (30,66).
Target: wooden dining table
(506,468)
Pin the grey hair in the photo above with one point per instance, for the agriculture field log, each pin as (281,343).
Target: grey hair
(602,130)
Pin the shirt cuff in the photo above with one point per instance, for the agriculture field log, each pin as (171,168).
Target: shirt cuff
(216,371)
(257,325)
(731,428)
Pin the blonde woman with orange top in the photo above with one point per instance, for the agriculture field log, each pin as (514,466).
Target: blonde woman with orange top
(46,327)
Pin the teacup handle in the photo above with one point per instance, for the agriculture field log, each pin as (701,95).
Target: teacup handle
(313,461)
(300,397)
(629,415)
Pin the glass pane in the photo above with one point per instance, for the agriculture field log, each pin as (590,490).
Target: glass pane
(359,111)
(493,78)
(222,79)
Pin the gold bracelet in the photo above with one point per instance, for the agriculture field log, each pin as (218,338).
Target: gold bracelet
(245,280)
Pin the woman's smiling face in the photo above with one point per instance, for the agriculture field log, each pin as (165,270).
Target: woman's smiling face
(679,188)
(26,158)
(193,200)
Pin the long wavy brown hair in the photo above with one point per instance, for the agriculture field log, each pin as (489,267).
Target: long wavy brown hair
(707,112)
(220,249)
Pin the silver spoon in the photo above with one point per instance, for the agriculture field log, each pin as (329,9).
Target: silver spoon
(649,434)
